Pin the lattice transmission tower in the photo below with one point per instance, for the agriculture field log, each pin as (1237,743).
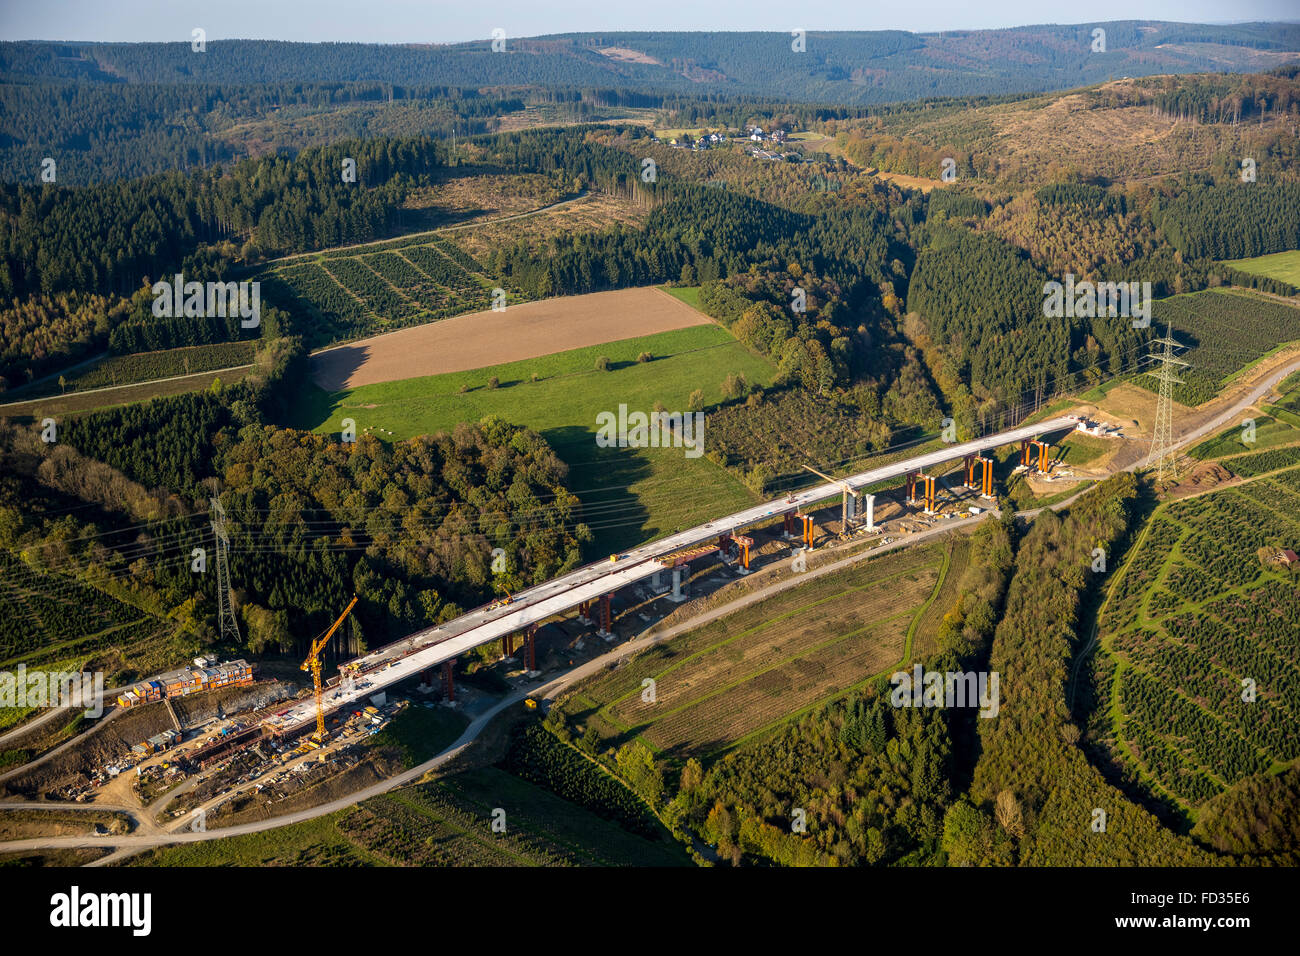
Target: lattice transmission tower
(1162,441)
(226,621)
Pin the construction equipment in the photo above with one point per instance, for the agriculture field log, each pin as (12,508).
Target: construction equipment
(844,506)
(313,664)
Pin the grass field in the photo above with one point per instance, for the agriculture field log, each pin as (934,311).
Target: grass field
(525,331)
(1079,449)
(630,495)
(1193,619)
(1280,265)
(738,678)
(689,294)
(444,823)
(1269,433)
(1280,428)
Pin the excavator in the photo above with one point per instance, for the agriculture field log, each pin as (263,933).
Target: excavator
(313,664)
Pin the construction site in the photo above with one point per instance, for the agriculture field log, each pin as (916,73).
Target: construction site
(211,744)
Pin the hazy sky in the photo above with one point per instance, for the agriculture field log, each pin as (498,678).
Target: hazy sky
(450,21)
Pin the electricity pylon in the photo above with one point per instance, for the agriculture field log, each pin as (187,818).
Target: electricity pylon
(226,622)
(1162,441)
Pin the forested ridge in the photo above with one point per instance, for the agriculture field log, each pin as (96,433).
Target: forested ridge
(842,66)
(107,238)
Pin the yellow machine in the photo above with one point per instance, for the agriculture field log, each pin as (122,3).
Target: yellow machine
(312,663)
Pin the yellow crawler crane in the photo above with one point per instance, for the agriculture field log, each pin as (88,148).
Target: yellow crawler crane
(312,663)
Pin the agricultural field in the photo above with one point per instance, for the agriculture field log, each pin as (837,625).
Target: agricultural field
(768,443)
(590,213)
(1280,265)
(1226,331)
(1269,433)
(489,338)
(690,294)
(111,397)
(347,293)
(444,823)
(736,679)
(472,193)
(57,623)
(629,494)
(1196,618)
(115,370)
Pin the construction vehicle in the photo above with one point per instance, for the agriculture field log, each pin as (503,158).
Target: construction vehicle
(313,663)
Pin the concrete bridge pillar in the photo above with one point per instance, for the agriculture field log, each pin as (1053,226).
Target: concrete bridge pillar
(679,594)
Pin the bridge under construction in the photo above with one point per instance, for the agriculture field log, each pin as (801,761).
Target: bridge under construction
(591,587)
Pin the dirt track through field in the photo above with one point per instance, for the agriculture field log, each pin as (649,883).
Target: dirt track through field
(523,331)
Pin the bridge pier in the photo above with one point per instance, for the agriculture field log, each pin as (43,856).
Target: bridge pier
(679,595)
(530,648)
(986,476)
(507,645)
(809,530)
(606,617)
(448,681)
(911,487)
(584,612)
(788,520)
(867,507)
(743,543)
(1031,450)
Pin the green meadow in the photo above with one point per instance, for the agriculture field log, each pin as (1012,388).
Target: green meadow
(1280,265)
(629,495)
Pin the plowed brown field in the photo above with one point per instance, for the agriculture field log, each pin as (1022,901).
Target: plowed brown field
(522,331)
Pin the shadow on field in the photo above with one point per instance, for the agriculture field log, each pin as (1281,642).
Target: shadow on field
(600,478)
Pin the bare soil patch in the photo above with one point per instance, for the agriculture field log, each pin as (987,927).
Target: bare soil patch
(628,56)
(1202,477)
(523,331)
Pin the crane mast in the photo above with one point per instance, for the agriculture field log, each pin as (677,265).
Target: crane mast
(313,663)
